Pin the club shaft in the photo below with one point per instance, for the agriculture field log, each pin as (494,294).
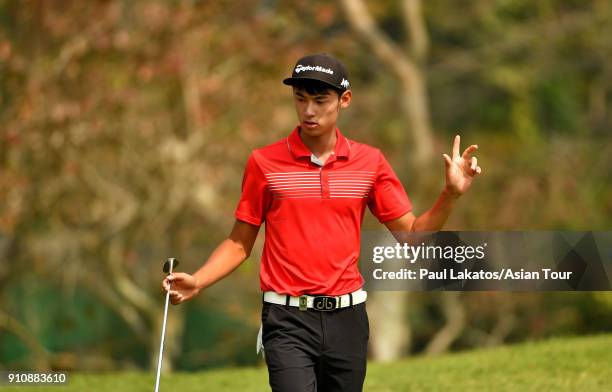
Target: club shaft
(163,334)
(161,345)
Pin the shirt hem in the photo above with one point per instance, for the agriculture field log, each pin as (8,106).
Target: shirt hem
(395,215)
(248,219)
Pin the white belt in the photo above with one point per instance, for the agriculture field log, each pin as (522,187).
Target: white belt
(305,302)
(317,302)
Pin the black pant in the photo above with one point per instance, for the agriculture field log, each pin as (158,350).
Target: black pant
(308,351)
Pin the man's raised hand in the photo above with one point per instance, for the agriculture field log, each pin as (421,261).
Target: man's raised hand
(461,169)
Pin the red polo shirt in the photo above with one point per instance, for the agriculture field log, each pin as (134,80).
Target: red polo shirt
(313,213)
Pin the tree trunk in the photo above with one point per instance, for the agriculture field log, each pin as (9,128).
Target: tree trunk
(173,337)
(454,313)
(390,332)
(406,67)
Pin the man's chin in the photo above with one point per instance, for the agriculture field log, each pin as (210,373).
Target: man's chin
(312,131)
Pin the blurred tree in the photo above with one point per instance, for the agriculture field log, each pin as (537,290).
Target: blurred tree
(391,334)
(126,125)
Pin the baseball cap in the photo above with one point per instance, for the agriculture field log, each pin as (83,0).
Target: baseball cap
(322,67)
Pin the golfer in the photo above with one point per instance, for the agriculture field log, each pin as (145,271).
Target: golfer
(311,189)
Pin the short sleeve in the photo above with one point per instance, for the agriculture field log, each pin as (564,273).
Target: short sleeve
(255,199)
(387,199)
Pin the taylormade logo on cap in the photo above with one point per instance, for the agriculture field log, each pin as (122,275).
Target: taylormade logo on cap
(321,67)
(299,68)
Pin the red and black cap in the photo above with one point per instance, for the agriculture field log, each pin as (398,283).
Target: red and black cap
(321,67)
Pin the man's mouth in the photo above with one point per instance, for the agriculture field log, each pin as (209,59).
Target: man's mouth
(310,124)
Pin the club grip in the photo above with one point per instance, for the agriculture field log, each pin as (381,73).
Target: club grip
(170,264)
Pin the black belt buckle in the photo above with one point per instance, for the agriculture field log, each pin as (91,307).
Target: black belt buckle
(324,304)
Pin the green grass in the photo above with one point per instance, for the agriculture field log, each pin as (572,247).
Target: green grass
(567,364)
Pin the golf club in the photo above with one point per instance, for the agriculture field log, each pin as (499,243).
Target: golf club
(169,265)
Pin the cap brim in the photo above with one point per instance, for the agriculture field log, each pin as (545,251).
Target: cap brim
(291,81)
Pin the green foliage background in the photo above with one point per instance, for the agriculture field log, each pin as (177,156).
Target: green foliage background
(125,125)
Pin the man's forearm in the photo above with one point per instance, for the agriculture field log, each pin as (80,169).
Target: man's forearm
(436,216)
(225,258)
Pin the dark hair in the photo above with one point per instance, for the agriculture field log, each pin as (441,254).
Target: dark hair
(315,87)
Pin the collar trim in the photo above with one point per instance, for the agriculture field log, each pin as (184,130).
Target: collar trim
(298,149)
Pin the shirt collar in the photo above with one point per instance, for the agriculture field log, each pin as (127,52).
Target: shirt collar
(298,148)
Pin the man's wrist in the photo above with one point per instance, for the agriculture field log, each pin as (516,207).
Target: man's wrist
(451,194)
(199,282)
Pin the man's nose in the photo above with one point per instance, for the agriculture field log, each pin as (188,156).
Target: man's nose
(310,109)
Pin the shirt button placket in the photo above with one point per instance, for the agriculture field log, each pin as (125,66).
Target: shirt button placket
(324,183)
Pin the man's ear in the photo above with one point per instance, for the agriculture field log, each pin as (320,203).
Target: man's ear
(345,99)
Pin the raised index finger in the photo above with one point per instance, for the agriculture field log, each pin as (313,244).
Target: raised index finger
(456,147)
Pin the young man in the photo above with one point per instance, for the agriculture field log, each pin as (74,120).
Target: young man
(311,190)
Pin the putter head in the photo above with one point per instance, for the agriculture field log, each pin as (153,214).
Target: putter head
(170,260)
